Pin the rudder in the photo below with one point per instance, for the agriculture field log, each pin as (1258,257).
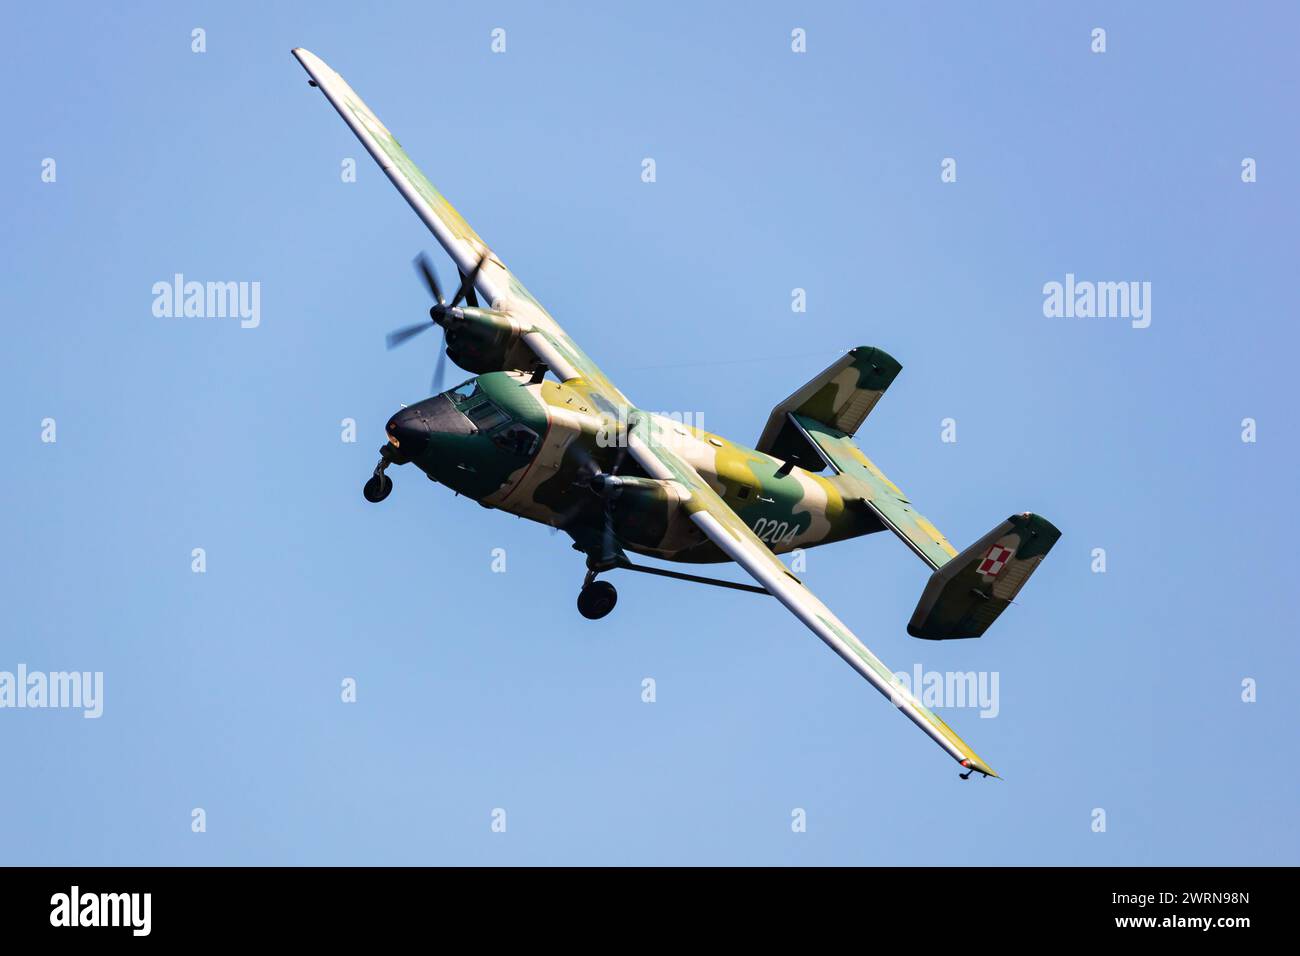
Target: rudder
(966,595)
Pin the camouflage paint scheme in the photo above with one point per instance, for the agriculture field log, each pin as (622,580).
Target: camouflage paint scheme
(514,440)
(798,509)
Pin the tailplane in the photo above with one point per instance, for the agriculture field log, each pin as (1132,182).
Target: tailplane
(967,591)
(966,594)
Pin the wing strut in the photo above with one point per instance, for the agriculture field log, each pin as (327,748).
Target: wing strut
(694,578)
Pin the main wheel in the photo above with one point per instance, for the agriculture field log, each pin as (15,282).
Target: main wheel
(377,488)
(596,600)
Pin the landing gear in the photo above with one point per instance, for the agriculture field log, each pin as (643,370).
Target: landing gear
(596,599)
(379,485)
(377,488)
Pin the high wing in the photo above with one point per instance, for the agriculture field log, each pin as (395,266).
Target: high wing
(724,528)
(497,285)
(653,452)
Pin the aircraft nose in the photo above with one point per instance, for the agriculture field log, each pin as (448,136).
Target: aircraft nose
(409,431)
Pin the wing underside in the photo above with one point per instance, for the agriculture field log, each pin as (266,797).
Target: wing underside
(721,525)
(497,285)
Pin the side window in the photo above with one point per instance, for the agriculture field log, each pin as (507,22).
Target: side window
(517,439)
(486,416)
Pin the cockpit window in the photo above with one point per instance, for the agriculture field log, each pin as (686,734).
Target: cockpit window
(486,416)
(462,393)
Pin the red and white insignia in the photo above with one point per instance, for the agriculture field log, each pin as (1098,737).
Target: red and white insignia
(995,561)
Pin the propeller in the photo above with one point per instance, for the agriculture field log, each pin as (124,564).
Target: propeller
(438,312)
(605,485)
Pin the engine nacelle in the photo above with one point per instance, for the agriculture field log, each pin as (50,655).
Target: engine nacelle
(484,340)
(647,514)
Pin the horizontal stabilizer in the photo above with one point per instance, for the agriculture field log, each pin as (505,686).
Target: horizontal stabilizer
(859,480)
(840,398)
(967,594)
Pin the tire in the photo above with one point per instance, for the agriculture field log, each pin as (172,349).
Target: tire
(596,600)
(377,488)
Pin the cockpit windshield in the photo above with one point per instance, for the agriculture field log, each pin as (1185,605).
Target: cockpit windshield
(489,418)
(464,392)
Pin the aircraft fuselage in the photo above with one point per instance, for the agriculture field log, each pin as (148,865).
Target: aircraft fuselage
(532,449)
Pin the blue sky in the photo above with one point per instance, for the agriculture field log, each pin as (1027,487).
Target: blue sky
(775,170)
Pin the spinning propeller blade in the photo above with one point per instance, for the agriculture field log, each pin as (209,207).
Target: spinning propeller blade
(586,477)
(398,336)
(425,268)
(466,293)
(440,373)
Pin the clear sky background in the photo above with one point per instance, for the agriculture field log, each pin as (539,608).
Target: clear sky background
(1120,691)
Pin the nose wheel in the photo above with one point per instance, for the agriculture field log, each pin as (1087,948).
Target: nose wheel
(377,488)
(597,598)
(379,485)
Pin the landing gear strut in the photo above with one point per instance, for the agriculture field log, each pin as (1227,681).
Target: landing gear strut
(597,598)
(379,485)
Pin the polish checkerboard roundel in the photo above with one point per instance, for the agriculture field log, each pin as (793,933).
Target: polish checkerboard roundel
(995,561)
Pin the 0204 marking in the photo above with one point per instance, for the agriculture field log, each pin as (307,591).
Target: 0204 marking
(771,531)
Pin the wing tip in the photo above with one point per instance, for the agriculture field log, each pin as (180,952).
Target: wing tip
(310,61)
(975,764)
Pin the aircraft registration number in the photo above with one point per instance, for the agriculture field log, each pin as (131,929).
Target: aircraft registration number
(772,531)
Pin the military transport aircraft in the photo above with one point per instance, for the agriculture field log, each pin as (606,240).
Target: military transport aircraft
(576,454)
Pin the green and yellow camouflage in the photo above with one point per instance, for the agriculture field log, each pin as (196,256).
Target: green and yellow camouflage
(573,452)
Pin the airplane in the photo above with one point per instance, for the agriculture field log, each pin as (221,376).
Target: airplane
(573,452)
